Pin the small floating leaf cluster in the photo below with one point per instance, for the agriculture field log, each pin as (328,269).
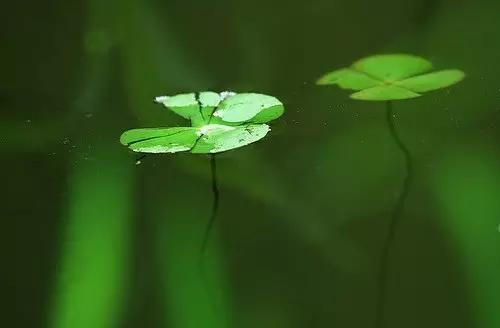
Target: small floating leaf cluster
(391,77)
(219,122)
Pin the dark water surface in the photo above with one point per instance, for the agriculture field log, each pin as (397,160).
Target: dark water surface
(102,242)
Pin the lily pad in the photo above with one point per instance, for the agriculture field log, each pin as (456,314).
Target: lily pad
(219,138)
(391,77)
(432,81)
(384,92)
(348,78)
(392,67)
(208,101)
(185,105)
(246,106)
(220,122)
(160,140)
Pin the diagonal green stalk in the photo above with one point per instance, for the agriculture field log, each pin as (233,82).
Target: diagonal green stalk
(395,219)
(92,277)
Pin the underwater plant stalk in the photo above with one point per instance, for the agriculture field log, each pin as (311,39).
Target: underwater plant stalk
(395,219)
(215,205)
(208,229)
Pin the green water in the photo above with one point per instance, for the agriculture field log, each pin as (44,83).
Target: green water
(103,242)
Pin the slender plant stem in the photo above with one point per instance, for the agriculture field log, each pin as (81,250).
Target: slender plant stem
(208,229)
(395,219)
(215,205)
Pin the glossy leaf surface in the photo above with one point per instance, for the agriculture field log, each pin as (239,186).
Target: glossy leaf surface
(245,106)
(160,140)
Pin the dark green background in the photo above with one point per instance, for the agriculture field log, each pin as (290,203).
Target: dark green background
(102,242)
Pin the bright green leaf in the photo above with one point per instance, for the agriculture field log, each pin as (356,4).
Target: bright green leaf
(392,67)
(386,92)
(244,106)
(212,130)
(268,114)
(136,135)
(209,101)
(348,78)
(432,81)
(390,77)
(185,105)
(219,138)
(160,140)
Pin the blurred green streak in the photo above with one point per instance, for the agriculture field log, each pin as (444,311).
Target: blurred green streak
(468,187)
(93,267)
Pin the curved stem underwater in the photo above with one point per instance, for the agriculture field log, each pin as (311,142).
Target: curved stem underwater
(208,229)
(215,205)
(395,219)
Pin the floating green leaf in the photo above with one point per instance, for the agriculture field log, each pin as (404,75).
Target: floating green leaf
(160,140)
(245,106)
(136,135)
(432,81)
(384,92)
(185,105)
(391,77)
(392,67)
(219,138)
(220,122)
(208,101)
(348,78)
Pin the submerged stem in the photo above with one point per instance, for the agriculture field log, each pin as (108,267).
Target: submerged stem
(208,229)
(215,205)
(395,219)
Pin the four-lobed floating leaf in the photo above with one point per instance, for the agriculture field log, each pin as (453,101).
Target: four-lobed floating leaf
(391,77)
(219,122)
